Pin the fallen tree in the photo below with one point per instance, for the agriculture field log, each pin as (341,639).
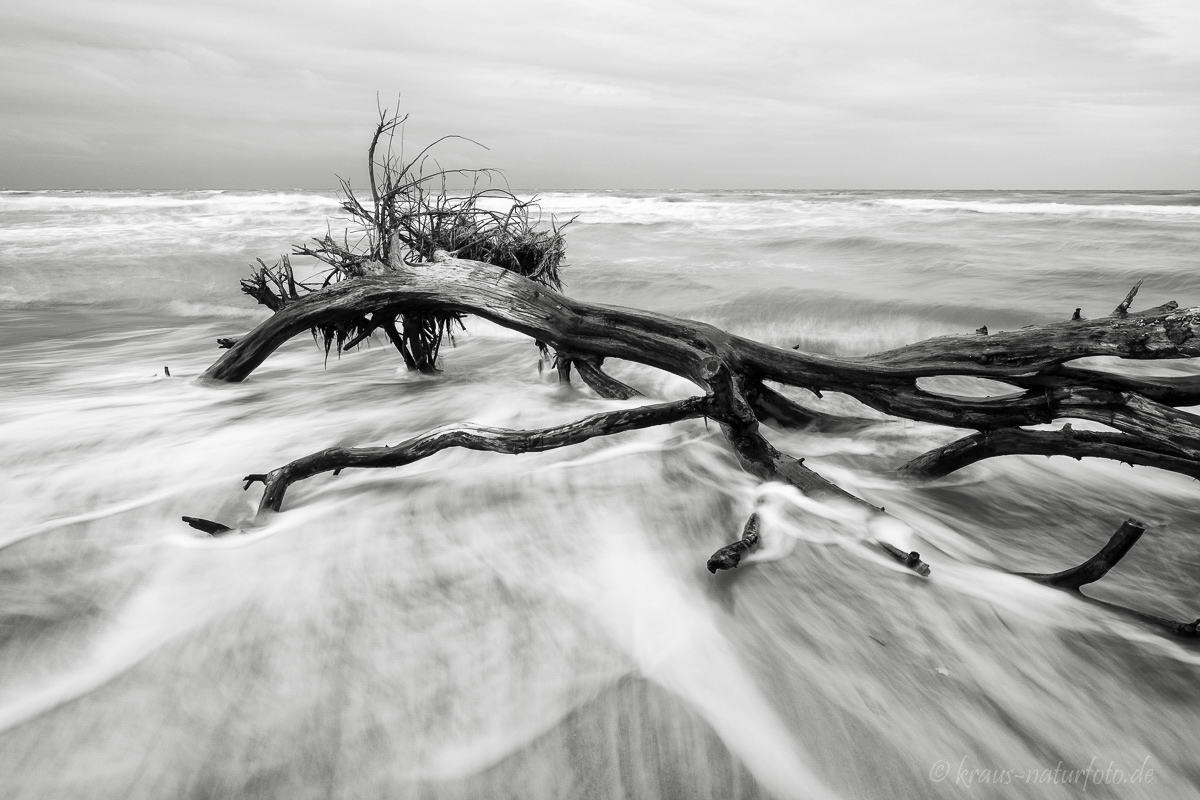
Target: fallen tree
(414,289)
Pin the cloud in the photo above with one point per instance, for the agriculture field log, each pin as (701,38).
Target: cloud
(854,93)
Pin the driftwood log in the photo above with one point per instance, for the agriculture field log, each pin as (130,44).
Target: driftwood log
(1149,428)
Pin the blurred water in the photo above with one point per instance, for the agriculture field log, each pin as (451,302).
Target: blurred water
(479,625)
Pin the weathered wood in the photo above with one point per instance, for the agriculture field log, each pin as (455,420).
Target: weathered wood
(729,556)
(770,405)
(1098,565)
(366,328)
(470,437)
(911,559)
(1067,441)
(207,525)
(601,382)
(885,381)
(562,364)
(678,345)
(1123,307)
(1175,391)
(1151,430)
(1184,630)
(759,457)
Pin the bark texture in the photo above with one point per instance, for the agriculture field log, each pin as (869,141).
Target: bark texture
(1150,427)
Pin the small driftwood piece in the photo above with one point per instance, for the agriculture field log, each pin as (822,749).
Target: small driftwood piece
(208,526)
(730,555)
(911,559)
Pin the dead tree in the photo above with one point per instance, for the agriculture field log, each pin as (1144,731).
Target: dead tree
(731,371)
(394,287)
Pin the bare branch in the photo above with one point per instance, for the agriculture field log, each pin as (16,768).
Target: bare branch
(1064,442)
(473,437)
(601,382)
(1098,565)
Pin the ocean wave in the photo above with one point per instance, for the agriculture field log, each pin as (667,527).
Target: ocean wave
(537,623)
(201,310)
(1042,207)
(12,299)
(74,201)
(855,243)
(725,209)
(847,325)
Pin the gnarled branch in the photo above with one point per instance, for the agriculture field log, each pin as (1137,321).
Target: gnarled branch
(1064,442)
(471,437)
(732,369)
(678,345)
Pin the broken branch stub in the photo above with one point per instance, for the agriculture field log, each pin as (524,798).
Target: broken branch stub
(729,556)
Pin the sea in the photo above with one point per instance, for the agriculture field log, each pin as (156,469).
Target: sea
(478,625)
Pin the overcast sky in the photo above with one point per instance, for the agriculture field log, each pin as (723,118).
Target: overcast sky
(586,95)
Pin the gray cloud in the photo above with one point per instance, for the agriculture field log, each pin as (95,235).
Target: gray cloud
(819,93)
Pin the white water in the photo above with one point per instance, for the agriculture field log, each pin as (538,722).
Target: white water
(478,625)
